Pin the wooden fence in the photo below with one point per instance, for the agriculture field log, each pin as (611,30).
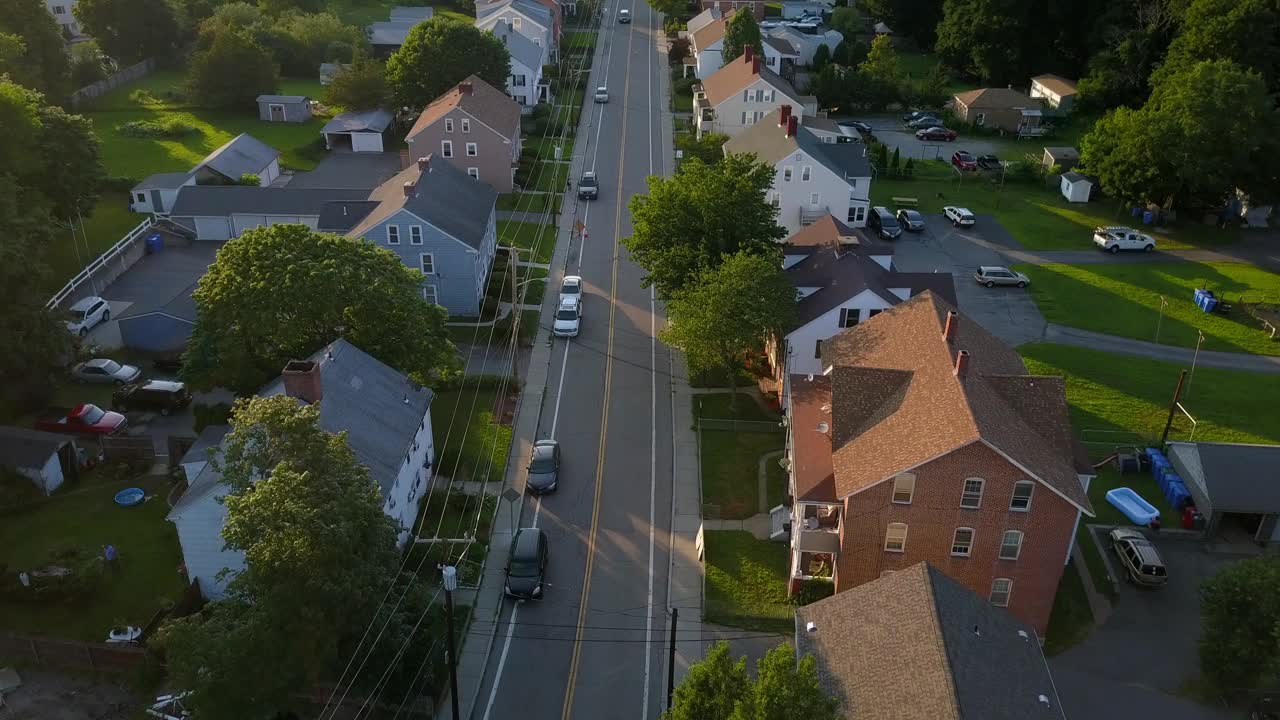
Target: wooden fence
(70,654)
(129,74)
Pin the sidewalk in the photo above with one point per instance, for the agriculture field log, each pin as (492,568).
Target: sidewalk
(686,581)
(488,600)
(1208,358)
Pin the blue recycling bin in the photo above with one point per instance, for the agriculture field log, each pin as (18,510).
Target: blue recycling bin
(1147,217)
(155,243)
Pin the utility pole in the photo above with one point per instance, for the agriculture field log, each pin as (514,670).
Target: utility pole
(671,659)
(1194,359)
(1173,407)
(450,584)
(513,258)
(1160,318)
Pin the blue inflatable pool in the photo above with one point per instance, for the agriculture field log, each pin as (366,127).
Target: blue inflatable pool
(1132,505)
(130,497)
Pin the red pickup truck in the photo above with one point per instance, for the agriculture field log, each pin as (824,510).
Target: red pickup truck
(83,419)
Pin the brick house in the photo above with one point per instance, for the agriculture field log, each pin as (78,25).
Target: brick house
(926,440)
(726,6)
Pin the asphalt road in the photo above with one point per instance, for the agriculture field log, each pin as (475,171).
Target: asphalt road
(594,647)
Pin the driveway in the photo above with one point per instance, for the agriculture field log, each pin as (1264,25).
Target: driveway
(1009,313)
(1135,663)
(361,171)
(890,131)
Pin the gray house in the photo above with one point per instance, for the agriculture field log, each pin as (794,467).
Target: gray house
(224,212)
(474,126)
(441,221)
(387,36)
(284,108)
(242,154)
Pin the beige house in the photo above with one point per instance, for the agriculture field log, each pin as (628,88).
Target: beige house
(1004,109)
(739,94)
(1057,92)
(474,126)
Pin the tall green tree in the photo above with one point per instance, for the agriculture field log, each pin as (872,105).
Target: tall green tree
(709,148)
(984,38)
(847,21)
(314,36)
(741,32)
(1202,134)
(441,53)
(130,30)
(73,173)
(688,222)
(361,85)
(1246,32)
(669,7)
(281,292)
(711,688)
(88,64)
(43,66)
(916,19)
(1240,624)
(728,311)
(879,78)
(232,73)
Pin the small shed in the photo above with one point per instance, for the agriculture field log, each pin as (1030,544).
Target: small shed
(1064,157)
(358,131)
(1076,187)
(284,108)
(46,459)
(882,29)
(1234,486)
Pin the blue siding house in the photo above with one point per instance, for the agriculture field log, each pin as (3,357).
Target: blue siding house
(441,221)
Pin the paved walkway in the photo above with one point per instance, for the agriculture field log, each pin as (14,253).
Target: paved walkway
(1208,358)
(686,579)
(757,525)
(1099,605)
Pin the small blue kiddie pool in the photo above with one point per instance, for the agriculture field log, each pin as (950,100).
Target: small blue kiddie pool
(130,497)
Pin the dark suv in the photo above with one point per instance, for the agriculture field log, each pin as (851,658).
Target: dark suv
(527,564)
(884,223)
(165,396)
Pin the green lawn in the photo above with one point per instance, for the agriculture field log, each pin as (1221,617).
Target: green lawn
(544,148)
(454,515)
(470,445)
(1142,483)
(548,176)
(528,202)
(578,40)
(1071,619)
(539,239)
(724,406)
(746,582)
(776,484)
(299,143)
(1112,396)
(730,467)
(364,12)
(85,516)
(109,222)
(918,65)
(1124,299)
(1039,218)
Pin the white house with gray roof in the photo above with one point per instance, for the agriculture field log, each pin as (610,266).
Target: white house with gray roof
(388,424)
(243,154)
(222,212)
(388,35)
(526,17)
(524,84)
(813,178)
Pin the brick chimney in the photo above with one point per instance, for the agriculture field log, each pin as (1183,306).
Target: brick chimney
(755,66)
(784,115)
(424,163)
(302,380)
(953,320)
(962,364)
(793,122)
(465,87)
(748,53)
(408,188)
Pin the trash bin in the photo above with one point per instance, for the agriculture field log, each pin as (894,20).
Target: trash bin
(1147,217)
(1197,521)
(155,243)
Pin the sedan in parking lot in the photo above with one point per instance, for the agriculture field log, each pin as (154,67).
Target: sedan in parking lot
(989,162)
(856,125)
(104,370)
(911,220)
(926,121)
(916,115)
(964,160)
(936,133)
(993,275)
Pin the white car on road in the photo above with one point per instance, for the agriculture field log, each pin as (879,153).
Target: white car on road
(602,94)
(568,319)
(571,289)
(960,217)
(86,314)
(1115,239)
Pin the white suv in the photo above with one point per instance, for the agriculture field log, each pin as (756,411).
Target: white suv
(571,289)
(86,314)
(960,217)
(602,94)
(568,319)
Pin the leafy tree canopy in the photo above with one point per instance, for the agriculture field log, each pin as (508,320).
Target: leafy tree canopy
(441,53)
(916,19)
(43,64)
(232,73)
(688,222)
(711,688)
(359,86)
(130,30)
(709,148)
(741,32)
(281,292)
(717,688)
(1244,31)
(1240,624)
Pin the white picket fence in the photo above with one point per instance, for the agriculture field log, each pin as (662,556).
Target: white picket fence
(119,252)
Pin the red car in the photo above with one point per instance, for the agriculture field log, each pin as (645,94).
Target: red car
(83,419)
(964,161)
(936,133)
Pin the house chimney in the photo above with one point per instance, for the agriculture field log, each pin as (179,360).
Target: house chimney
(465,87)
(953,320)
(962,363)
(755,66)
(792,123)
(302,380)
(748,53)
(784,115)
(408,188)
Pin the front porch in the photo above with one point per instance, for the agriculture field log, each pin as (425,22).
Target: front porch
(815,543)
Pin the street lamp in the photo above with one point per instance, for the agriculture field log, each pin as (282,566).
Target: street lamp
(1194,358)
(450,574)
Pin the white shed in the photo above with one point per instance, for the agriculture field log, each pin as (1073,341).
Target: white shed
(1076,187)
(46,459)
(358,131)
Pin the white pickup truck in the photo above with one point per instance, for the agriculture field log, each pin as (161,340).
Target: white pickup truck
(1115,239)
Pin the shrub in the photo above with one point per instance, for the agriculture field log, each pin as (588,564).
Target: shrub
(119,182)
(679,50)
(163,128)
(210,414)
(684,85)
(812,591)
(250,179)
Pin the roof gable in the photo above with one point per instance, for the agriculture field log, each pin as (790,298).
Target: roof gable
(995,98)
(239,155)
(484,102)
(1056,84)
(741,74)
(442,195)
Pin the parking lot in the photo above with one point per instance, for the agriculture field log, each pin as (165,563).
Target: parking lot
(891,131)
(1007,312)
(1140,659)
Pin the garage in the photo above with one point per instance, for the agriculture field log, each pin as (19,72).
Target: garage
(357,131)
(244,221)
(213,228)
(1234,487)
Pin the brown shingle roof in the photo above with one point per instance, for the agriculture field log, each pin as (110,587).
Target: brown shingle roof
(710,33)
(485,103)
(918,645)
(811,468)
(737,75)
(1057,84)
(897,402)
(995,98)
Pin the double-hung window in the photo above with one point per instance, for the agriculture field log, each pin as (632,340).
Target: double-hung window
(1011,545)
(962,542)
(393,234)
(472,150)
(786,174)
(895,538)
(448,124)
(466,124)
(971,495)
(849,317)
(904,488)
(1021,500)
(427,263)
(474,173)
(429,294)
(806,173)
(415,234)
(1001,589)
(446,148)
